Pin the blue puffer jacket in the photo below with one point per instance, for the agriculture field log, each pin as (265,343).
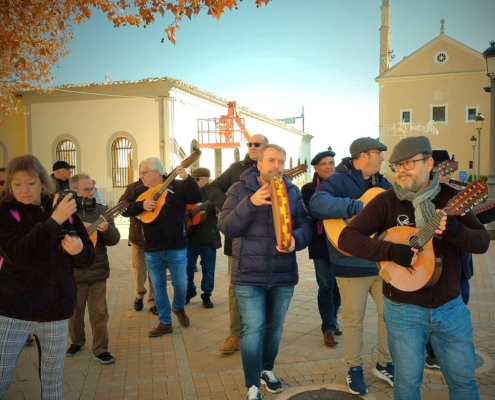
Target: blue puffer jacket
(337,198)
(257,262)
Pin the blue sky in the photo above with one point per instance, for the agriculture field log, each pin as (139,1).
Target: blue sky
(320,54)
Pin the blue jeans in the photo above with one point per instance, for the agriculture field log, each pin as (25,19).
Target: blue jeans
(208,259)
(263,311)
(328,295)
(175,261)
(449,329)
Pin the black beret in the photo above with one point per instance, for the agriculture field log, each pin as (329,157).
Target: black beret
(328,153)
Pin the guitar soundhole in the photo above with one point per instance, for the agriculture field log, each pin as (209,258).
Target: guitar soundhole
(413,241)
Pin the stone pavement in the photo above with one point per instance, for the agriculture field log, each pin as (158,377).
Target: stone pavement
(186,364)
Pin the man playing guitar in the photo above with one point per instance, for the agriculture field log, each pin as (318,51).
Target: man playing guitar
(434,312)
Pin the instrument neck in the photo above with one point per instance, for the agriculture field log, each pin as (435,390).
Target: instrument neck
(165,185)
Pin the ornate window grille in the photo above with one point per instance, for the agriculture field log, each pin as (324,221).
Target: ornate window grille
(122,162)
(66,151)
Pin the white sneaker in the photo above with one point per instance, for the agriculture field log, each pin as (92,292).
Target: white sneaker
(253,393)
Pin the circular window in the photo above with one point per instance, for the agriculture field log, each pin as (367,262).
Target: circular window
(441,57)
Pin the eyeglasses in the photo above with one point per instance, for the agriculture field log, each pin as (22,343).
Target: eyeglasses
(145,172)
(2,183)
(407,165)
(255,144)
(380,153)
(87,190)
(198,179)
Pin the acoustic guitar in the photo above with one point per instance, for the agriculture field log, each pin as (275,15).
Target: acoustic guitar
(334,227)
(112,212)
(162,195)
(426,270)
(196,214)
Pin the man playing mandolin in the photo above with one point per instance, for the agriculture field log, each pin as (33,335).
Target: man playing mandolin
(165,237)
(263,273)
(434,312)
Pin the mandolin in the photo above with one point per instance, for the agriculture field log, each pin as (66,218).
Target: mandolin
(196,214)
(93,228)
(426,270)
(162,195)
(298,170)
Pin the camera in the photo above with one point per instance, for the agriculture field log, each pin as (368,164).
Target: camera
(82,203)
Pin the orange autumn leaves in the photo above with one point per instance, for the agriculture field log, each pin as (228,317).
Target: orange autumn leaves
(34,34)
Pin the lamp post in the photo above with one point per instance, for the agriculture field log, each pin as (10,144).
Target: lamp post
(489,55)
(478,121)
(473,145)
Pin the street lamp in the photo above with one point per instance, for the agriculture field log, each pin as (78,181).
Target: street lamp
(489,55)
(473,144)
(478,122)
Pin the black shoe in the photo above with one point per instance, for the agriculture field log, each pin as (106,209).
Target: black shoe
(207,302)
(138,304)
(154,310)
(105,358)
(190,296)
(73,350)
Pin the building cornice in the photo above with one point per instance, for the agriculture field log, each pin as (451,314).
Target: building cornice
(429,76)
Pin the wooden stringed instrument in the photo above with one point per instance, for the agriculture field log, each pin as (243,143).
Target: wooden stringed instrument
(160,193)
(426,270)
(282,218)
(334,227)
(298,170)
(112,212)
(196,214)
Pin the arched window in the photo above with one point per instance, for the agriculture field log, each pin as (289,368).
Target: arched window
(122,162)
(66,151)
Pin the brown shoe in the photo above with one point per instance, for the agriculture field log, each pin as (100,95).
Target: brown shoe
(182,317)
(160,330)
(231,345)
(329,339)
(338,330)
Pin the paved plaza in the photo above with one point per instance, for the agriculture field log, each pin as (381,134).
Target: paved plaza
(186,364)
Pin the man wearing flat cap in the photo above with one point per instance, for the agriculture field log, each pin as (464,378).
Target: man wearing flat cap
(337,198)
(328,291)
(435,312)
(203,241)
(62,171)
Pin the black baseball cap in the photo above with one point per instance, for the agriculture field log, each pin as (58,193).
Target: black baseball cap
(62,164)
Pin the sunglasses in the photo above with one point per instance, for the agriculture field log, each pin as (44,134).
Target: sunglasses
(255,144)
(198,179)
(2,183)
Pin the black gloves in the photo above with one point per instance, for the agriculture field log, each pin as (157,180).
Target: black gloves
(452,227)
(401,254)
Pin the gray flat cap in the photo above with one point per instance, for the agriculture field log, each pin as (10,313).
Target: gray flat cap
(365,144)
(409,147)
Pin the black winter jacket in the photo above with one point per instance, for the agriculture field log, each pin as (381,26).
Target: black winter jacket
(100,270)
(61,185)
(257,262)
(207,232)
(318,247)
(135,225)
(170,233)
(37,275)
(217,190)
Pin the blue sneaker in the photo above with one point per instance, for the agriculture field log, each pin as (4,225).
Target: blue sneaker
(253,393)
(273,385)
(355,381)
(385,373)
